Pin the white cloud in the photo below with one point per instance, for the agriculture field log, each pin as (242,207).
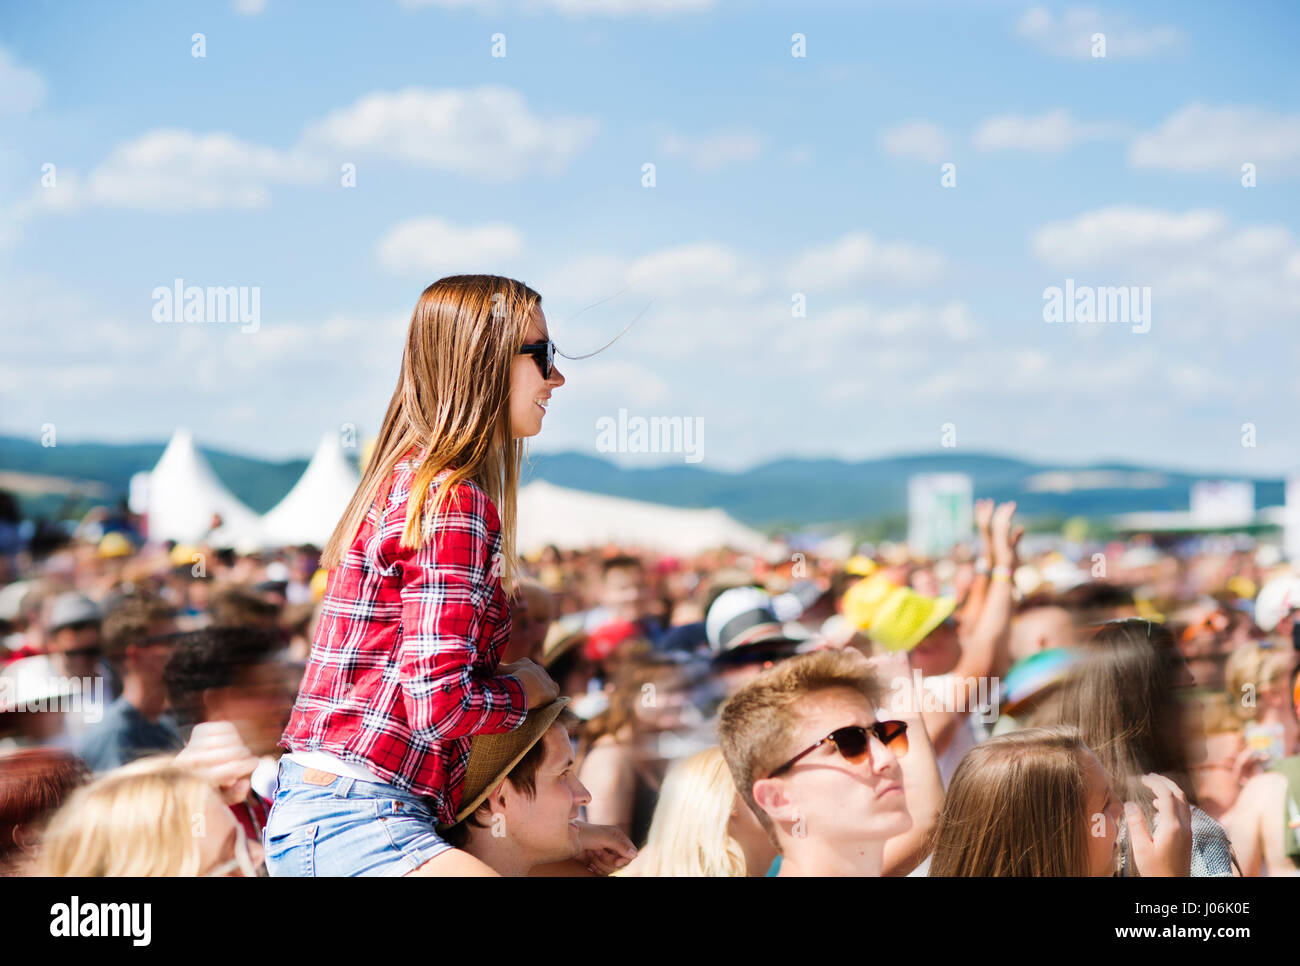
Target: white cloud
(858,257)
(431,246)
(1202,138)
(919,139)
(708,152)
(689,270)
(1110,235)
(484,131)
(1048,133)
(21,89)
(250,8)
(1070,33)
(1206,275)
(177,170)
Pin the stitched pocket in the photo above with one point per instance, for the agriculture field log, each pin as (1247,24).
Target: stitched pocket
(293,853)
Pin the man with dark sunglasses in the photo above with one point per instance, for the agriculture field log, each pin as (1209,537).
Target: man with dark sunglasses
(73,639)
(816,767)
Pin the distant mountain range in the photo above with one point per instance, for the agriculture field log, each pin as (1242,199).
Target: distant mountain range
(783,494)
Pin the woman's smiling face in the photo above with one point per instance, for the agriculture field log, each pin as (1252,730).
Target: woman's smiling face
(529,393)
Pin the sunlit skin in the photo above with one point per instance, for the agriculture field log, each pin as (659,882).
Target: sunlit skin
(530,394)
(939,652)
(538,829)
(221,839)
(833,816)
(622,591)
(759,851)
(1103,816)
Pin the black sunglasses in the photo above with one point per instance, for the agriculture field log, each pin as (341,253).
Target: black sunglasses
(853,743)
(543,354)
(83,652)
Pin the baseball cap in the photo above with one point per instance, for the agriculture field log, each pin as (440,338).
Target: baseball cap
(72,608)
(1276,599)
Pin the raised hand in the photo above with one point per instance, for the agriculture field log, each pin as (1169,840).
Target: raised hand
(217,754)
(1003,538)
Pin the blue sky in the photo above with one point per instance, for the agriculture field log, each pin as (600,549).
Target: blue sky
(775,175)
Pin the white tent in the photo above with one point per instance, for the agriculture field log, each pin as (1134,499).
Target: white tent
(309,512)
(574,519)
(184,494)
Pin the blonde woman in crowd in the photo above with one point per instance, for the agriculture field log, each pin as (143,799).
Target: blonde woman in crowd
(165,821)
(701,827)
(1258,685)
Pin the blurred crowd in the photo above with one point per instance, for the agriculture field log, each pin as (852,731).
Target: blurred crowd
(1146,690)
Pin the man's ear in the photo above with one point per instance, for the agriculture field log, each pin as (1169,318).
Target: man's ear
(770,795)
(497,797)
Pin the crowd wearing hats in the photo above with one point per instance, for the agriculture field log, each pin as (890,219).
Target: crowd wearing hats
(731,714)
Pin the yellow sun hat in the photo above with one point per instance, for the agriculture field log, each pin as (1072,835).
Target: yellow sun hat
(898,618)
(115,544)
(864,597)
(906,618)
(860,566)
(183,555)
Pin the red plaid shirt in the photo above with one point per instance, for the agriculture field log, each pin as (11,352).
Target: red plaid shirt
(401,673)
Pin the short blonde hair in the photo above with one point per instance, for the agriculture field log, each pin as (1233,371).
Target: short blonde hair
(1253,666)
(140,820)
(689,834)
(756,724)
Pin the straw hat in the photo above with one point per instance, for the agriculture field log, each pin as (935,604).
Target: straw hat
(564,634)
(493,757)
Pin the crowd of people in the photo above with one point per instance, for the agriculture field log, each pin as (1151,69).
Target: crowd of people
(1075,709)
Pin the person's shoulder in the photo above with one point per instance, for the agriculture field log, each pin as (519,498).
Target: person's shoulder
(466,495)
(469,498)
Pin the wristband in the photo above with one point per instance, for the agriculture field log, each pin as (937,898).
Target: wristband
(1001,573)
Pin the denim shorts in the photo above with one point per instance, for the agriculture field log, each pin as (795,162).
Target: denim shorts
(346,827)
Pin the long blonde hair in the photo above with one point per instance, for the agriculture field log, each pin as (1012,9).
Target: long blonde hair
(1016,806)
(138,820)
(689,832)
(452,402)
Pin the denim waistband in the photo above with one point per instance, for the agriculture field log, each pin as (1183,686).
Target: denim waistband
(291,774)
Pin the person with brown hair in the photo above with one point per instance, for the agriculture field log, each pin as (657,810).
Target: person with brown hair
(520,811)
(815,766)
(405,668)
(1124,699)
(1038,803)
(139,637)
